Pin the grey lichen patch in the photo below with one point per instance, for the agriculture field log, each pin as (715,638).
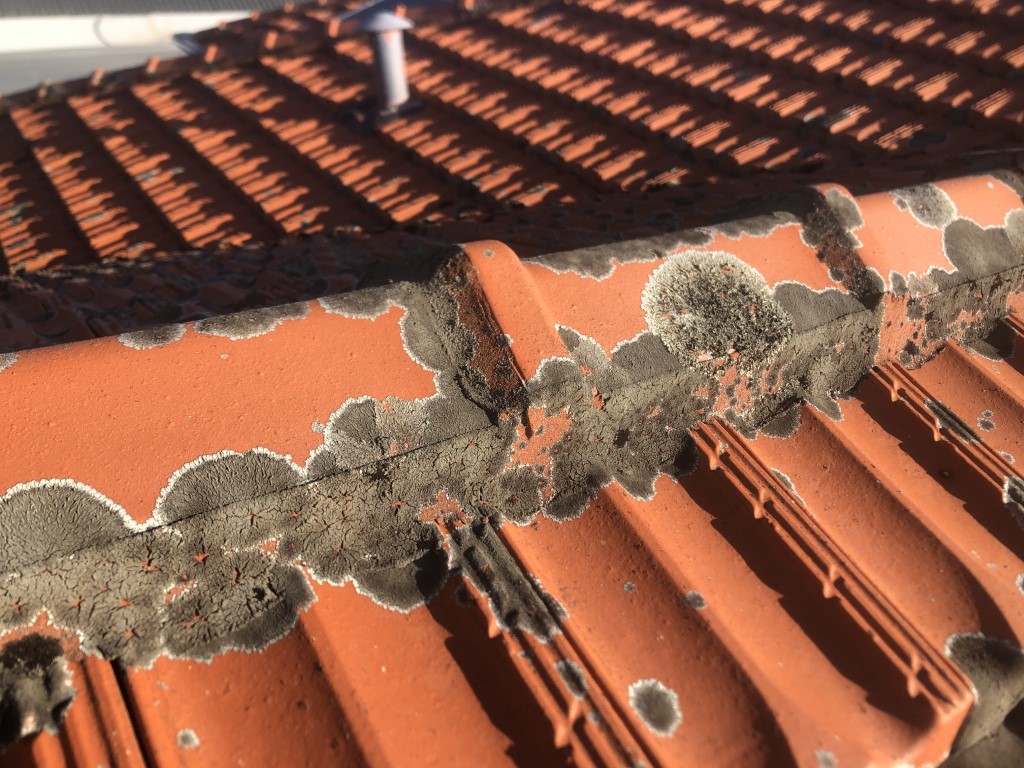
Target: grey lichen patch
(35,687)
(252,322)
(151,338)
(785,480)
(946,419)
(825,759)
(757,226)
(998,345)
(695,600)
(187,739)
(1013,498)
(7,359)
(573,677)
(978,251)
(623,427)
(996,671)
(599,262)
(516,600)
(927,203)
(629,586)
(846,211)
(367,304)
(709,306)
(656,705)
(986,422)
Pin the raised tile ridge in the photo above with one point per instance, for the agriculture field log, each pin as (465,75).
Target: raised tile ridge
(195,490)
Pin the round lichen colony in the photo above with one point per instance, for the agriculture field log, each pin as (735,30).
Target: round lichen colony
(708,307)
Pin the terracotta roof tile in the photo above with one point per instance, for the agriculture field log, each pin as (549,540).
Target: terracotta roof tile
(810,510)
(704,453)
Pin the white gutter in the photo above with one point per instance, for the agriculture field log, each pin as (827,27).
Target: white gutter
(57,33)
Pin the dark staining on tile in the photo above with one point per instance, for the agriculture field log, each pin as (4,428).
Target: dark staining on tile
(7,359)
(949,421)
(35,687)
(251,323)
(927,203)
(151,338)
(996,671)
(830,222)
(573,677)
(846,211)
(656,705)
(986,422)
(695,600)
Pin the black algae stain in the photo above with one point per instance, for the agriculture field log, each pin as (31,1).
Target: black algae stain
(151,338)
(656,705)
(35,687)
(251,323)
(709,305)
(573,677)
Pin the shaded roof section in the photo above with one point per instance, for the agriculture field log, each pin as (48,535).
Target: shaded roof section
(747,493)
(263,137)
(15,8)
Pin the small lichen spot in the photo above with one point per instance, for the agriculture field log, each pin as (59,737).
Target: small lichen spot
(826,759)
(986,422)
(656,705)
(187,739)
(573,677)
(696,600)
(629,586)
(8,359)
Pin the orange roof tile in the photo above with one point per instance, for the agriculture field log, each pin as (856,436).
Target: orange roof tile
(701,450)
(741,518)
